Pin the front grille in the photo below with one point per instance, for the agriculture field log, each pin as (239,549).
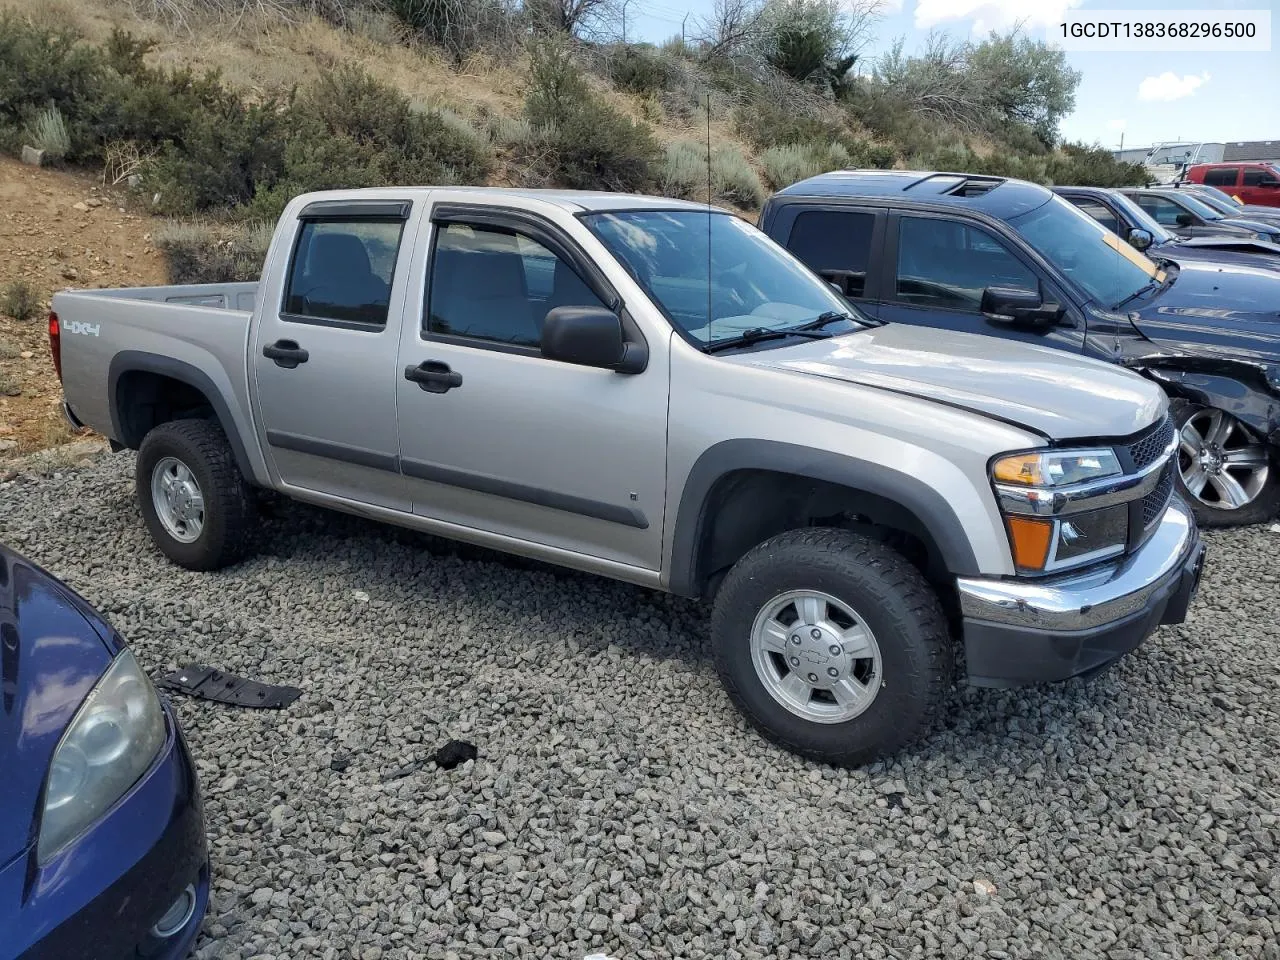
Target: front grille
(1153,503)
(1147,449)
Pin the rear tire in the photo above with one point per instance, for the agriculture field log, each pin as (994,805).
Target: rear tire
(1227,475)
(832,645)
(195,502)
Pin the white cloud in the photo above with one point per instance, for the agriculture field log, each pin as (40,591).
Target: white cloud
(993,14)
(1170,86)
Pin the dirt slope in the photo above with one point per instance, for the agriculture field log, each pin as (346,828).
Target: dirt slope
(58,230)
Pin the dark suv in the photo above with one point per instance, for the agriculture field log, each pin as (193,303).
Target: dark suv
(1011,259)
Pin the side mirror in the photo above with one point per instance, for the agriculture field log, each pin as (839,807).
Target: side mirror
(1140,239)
(1015,305)
(590,337)
(1184,219)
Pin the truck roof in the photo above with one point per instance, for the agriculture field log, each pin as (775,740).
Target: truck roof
(573,201)
(1000,197)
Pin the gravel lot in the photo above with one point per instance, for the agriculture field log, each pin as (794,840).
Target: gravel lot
(619,804)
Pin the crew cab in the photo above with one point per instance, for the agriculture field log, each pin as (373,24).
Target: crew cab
(1252,182)
(1130,222)
(652,390)
(1012,260)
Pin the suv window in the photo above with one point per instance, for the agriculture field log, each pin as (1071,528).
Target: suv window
(942,263)
(1164,211)
(1099,211)
(497,285)
(835,244)
(1254,177)
(342,271)
(1223,176)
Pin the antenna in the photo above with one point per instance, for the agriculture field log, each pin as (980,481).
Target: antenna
(708,218)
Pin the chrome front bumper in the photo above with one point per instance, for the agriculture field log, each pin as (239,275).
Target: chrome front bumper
(1023,631)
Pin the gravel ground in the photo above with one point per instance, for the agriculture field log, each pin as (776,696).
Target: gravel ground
(620,805)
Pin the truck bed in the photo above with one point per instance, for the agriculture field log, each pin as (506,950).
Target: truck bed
(227,296)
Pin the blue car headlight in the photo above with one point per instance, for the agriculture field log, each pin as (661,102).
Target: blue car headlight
(108,745)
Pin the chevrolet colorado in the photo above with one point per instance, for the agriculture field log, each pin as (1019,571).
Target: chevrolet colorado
(654,391)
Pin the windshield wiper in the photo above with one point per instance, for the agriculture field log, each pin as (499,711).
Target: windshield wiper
(757,334)
(833,316)
(1151,286)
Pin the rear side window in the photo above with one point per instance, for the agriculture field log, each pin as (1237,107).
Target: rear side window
(1223,176)
(836,245)
(342,272)
(1254,177)
(942,263)
(1099,211)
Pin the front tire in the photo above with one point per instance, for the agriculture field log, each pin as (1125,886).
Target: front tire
(194,500)
(832,645)
(1227,474)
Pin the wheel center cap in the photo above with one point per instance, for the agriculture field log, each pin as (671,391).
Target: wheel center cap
(815,654)
(1211,461)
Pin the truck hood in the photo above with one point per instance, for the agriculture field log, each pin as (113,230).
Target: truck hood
(1216,309)
(1050,392)
(51,655)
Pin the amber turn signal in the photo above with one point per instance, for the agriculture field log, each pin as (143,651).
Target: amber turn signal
(1030,539)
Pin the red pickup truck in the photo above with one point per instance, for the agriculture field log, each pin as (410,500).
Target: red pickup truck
(1251,182)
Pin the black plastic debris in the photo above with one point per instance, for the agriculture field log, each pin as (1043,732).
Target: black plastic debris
(206,683)
(455,753)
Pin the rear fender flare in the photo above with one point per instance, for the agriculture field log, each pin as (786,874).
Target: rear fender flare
(139,361)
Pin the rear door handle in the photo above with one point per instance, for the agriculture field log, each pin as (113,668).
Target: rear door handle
(433,376)
(286,353)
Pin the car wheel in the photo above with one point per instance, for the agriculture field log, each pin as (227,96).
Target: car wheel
(194,500)
(832,645)
(1225,472)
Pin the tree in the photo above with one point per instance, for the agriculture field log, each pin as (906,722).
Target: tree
(572,17)
(1025,81)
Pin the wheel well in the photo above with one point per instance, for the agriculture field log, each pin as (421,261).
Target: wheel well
(145,400)
(747,507)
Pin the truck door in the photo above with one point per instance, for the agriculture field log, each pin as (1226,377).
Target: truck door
(938,268)
(324,357)
(1260,185)
(493,435)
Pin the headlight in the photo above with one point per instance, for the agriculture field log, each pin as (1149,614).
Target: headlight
(1056,468)
(1045,496)
(108,745)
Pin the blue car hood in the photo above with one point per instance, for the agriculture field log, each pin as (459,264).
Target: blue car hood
(1217,309)
(53,649)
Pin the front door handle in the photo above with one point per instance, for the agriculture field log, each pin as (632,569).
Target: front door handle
(286,353)
(433,376)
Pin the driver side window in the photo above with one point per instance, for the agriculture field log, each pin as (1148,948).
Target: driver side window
(947,264)
(1165,212)
(342,272)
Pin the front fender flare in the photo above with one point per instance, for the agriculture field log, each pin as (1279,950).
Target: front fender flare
(929,506)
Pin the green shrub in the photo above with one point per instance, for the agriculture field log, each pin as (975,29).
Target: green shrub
(640,70)
(1077,165)
(351,130)
(206,253)
(584,143)
(793,162)
(47,131)
(19,300)
(9,387)
(682,172)
(510,132)
(733,180)
(42,68)
(9,351)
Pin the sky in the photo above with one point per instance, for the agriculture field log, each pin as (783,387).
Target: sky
(1143,97)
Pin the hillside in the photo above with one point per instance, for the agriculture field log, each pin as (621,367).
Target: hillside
(59,230)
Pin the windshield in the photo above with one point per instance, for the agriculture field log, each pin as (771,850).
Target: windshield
(1199,207)
(1100,262)
(754,283)
(1218,200)
(1141,218)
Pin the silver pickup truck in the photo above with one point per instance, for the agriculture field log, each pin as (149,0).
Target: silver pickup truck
(654,391)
